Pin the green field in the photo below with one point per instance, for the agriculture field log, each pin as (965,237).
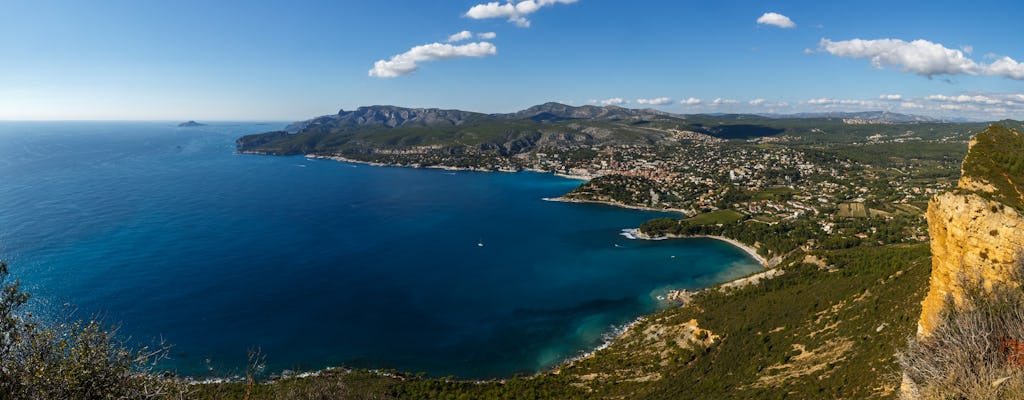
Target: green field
(775,193)
(716,217)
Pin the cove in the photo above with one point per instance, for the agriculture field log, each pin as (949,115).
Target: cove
(169,233)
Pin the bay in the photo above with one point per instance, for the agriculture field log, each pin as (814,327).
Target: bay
(169,233)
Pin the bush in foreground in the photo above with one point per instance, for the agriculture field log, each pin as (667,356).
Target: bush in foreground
(975,352)
(75,359)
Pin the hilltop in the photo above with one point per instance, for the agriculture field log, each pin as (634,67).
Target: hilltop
(994,167)
(973,304)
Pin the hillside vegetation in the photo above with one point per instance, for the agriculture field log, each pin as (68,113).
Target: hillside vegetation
(375,129)
(997,159)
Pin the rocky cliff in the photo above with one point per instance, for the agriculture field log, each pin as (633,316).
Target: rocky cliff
(977,231)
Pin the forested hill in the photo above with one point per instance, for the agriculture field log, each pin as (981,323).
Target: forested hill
(374,129)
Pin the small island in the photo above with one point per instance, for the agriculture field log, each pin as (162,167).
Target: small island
(190,124)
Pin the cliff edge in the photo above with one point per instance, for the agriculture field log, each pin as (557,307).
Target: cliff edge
(977,231)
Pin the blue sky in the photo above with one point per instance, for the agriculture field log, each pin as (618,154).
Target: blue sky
(260,60)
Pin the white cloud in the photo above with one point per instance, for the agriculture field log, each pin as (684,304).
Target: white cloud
(720,101)
(776,19)
(977,106)
(967,49)
(808,51)
(1006,67)
(921,57)
(406,63)
(825,101)
(692,101)
(458,37)
(756,102)
(963,98)
(516,13)
(660,101)
(466,35)
(614,101)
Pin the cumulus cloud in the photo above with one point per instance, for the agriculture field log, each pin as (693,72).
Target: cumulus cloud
(659,101)
(825,101)
(977,106)
(921,57)
(720,101)
(458,37)
(515,13)
(691,101)
(614,101)
(1006,67)
(972,99)
(466,35)
(407,63)
(756,102)
(776,19)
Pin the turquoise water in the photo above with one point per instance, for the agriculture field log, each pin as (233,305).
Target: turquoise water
(169,233)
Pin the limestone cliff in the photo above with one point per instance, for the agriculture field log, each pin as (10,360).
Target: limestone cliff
(977,231)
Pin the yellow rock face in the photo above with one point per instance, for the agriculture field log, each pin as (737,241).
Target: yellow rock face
(972,238)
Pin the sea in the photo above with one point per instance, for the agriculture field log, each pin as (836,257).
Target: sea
(171,236)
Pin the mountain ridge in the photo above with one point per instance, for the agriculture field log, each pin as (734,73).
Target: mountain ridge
(431,136)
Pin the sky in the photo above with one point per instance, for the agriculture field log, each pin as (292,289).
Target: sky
(292,60)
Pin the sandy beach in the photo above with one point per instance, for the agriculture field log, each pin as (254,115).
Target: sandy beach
(608,203)
(635,233)
(576,177)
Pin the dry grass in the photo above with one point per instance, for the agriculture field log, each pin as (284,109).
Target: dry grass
(976,351)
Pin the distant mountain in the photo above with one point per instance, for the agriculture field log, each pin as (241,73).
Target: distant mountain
(392,130)
(190,124)
(559,112)
(388,117)
(394,117)
(878,116)
(374,128)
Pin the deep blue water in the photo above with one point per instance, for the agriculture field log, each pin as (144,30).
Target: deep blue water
(169,233)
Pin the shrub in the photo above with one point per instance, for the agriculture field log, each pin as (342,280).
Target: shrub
(976,350)
(72,359)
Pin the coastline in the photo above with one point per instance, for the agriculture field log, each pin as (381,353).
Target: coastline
(618,332)
(620,205)
(584,178)
(750,250)
(378,164)
(614,333)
